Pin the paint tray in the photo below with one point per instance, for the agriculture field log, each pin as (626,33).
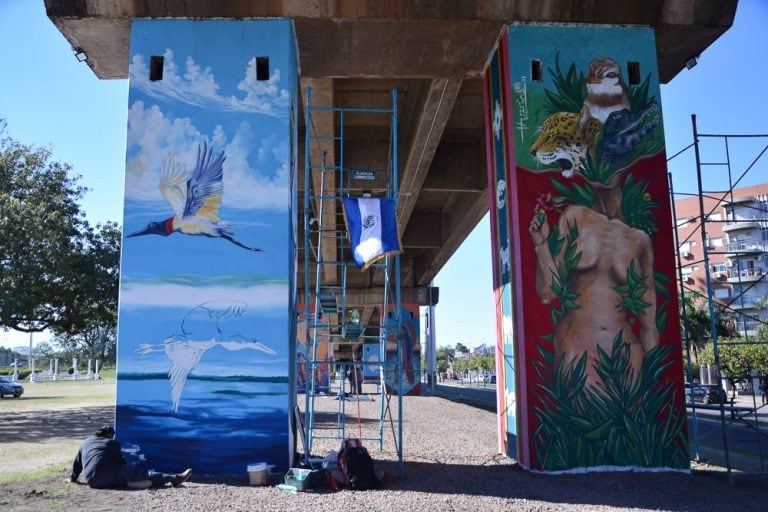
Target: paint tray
(303,479)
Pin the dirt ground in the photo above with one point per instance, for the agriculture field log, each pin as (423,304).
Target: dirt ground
(450,464)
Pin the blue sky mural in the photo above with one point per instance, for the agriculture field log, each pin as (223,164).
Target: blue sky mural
(204,329)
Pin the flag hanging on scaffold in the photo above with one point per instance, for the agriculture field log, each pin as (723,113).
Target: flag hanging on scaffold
(372,225)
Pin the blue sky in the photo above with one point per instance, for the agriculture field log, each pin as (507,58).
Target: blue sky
(50,99)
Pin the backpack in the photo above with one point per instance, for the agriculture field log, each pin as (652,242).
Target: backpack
(357,466)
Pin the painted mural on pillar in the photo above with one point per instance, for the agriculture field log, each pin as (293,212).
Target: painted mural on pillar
(207,320)
(591,336)
(410,352)
(371,359)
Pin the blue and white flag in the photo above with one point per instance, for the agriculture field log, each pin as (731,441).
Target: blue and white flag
(372,225)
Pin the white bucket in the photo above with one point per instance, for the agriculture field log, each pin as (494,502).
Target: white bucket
(257,473)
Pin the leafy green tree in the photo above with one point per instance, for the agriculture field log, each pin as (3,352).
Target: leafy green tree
(762,327)
(43,351)
(92,332)
(40,224)
(444,358)
(56,271)
(762,332)
(460,347)
(487,363)
(460,365)
(739,358)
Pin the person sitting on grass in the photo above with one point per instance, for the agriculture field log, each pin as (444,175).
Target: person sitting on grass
(101,462)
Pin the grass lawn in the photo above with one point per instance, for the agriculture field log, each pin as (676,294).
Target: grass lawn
(55,395)
(42,430)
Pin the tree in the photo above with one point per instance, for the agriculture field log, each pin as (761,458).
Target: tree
(56,271)
(460,347)
(460,366)
(40,225)
(91,329)
(698,324)
(98,341)
(444,358)
(487,363)
(762,327)
(738,359)
(762,332)
(43,350)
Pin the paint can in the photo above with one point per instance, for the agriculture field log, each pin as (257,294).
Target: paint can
(257,473)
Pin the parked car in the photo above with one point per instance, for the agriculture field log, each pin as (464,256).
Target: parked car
(8,387)
(705,394)
(695,394)
(714,394)
(489,379)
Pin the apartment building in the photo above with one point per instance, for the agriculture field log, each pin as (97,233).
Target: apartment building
(736,244)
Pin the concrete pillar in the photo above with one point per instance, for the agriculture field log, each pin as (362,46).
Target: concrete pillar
(56,369)
(405,348)
(15,376)
(90,372)
(431,345)
(213,103)
(577,169)
(50,366)
(96,374)
(74,368)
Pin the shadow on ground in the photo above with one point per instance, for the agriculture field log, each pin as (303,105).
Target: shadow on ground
(42,425)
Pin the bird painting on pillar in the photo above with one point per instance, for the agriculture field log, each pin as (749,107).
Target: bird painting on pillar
(195,199)
(184,352)
(206,329)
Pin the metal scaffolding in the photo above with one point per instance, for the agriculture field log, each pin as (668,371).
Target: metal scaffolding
(329,317)
(744,451)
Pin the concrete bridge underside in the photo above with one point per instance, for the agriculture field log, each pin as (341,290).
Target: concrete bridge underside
(353,52)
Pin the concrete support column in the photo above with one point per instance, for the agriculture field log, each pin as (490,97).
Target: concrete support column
(222,137)
(577,170)
(431,356)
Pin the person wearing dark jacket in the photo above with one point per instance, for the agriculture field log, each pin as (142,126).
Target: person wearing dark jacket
(102,465)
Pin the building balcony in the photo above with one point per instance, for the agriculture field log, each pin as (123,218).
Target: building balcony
(735,248)
(739,224)
(739,200)
(745,276)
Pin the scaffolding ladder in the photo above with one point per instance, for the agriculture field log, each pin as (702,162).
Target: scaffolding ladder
(328,316)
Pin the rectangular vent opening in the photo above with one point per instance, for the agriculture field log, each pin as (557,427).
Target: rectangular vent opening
(156,68)
(537,74)
(633,70)
(262,68)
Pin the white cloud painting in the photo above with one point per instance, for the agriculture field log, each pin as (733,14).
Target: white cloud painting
(197,86)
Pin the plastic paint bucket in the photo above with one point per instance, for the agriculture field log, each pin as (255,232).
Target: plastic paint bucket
(257,473)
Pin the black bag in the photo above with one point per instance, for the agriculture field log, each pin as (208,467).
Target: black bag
(360,472)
